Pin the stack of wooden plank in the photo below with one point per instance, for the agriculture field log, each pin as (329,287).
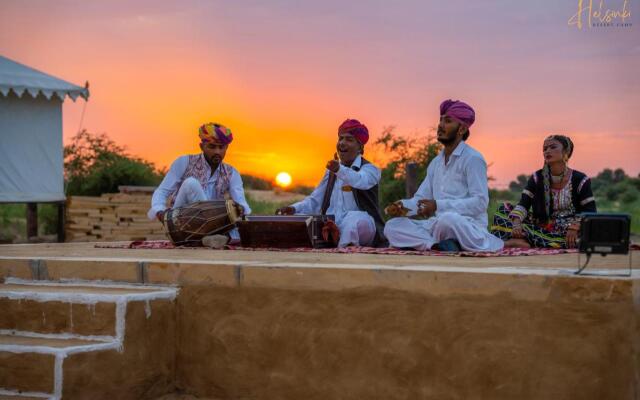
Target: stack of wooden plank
(111,217)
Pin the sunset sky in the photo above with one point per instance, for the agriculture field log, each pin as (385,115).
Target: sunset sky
(283,74)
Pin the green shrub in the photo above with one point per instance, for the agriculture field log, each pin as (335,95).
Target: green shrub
(94,164)
(255,183)
(630,196)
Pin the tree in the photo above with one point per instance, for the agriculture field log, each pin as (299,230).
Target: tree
(95,164)
(519,184)
(619,175)
(401,150)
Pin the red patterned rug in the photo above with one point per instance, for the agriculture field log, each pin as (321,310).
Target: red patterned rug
(510,252)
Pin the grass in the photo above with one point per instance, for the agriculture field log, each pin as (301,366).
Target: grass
(632,209)
(262,207)
(13,224)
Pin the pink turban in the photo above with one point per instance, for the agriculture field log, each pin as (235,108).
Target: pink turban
(355,128)
(213,132)
(458,110)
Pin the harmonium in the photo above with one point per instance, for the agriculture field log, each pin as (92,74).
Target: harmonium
(284,231)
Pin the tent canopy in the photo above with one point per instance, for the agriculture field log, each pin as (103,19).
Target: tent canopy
(31,149)
(21,79)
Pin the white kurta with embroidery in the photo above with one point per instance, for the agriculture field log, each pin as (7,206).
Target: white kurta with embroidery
(356,227)
(460,190)
(191,191)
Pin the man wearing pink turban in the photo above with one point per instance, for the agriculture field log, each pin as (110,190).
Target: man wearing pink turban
(352,192)
(200,177)
(452,199)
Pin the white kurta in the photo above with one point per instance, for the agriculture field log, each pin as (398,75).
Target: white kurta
(461,193)
(356,227)
(191,191)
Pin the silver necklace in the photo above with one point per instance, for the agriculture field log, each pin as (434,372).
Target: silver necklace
(559,178)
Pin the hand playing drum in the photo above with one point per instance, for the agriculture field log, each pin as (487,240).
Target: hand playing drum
(239,209)
(286,211)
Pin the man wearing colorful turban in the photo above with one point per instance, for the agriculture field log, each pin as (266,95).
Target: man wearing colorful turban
(200,177)
(349,191)
(452,200)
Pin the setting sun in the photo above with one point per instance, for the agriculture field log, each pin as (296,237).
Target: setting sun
(283,179)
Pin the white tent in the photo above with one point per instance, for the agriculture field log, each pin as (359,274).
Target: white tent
(31,160)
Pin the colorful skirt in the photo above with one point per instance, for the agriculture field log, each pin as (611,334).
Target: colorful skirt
(552,235)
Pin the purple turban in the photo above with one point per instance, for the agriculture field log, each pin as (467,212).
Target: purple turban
(355,128)
(458,110)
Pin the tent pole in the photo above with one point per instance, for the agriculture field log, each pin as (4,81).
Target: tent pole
(61,221)
(32,220)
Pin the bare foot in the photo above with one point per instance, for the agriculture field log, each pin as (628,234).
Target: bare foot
(521,243)
(215,241)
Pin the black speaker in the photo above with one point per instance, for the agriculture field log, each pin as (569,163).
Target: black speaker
(605,233)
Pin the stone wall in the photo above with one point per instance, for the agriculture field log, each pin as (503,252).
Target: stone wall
(253,326)
(112,217)
(578,342)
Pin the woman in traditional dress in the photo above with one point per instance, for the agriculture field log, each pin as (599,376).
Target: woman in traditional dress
(548,212)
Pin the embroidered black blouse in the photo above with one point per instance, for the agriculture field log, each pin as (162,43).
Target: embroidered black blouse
(533,197)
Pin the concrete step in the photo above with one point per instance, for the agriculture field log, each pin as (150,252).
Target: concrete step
(87,310)
(21,396)
(85,340)
(34,364)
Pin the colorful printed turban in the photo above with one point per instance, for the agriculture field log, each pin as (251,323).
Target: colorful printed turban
(355,128)
(213,132)
(458,110)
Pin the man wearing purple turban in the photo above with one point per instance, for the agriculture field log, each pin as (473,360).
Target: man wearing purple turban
(201,177)
(348,191)
(452,200)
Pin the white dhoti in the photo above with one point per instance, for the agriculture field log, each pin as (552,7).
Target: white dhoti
(423,234)
(190,192)
(356,228)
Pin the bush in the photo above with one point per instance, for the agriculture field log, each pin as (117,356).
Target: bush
(302,189)
(630,195)
(616,191)
(94,164)
(403,150)
(519,184)
(255,183)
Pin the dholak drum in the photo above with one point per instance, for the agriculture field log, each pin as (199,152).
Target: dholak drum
(186,226)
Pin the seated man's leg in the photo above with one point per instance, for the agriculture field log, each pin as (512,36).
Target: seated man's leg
(190,191)
(356,228)
(404,232)
(234,235)
(471,237)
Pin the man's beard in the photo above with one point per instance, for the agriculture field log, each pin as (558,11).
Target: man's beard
(213,161)
(448,139)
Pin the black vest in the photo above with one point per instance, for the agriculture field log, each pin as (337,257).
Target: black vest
(367,200)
